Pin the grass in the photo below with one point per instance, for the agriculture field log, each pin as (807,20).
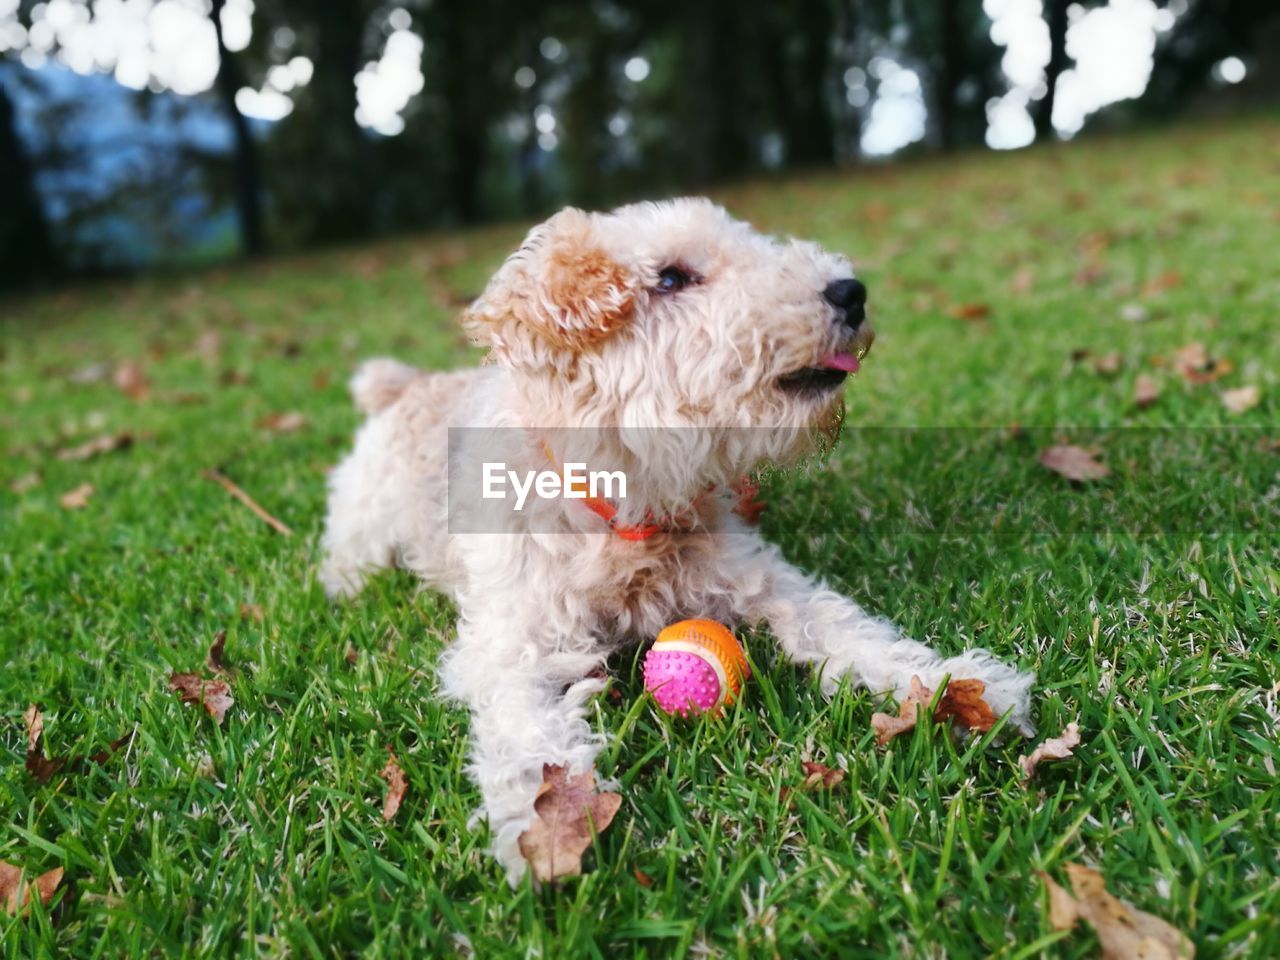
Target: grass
(264,836)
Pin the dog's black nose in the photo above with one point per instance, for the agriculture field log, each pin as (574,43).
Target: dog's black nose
(846,293)
(849,296)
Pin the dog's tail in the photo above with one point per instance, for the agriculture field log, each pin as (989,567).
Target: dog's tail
(378,383)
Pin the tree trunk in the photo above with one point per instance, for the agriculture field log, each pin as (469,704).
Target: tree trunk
(247,174)
(811,138)
(1056,17)
(949,74)
(28,251)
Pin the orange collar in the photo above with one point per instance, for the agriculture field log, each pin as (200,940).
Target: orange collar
(607,511)
(748,506)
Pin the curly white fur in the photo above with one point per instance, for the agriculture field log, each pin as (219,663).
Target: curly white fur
(583,336)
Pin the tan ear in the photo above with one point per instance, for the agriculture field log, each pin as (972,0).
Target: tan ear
(559,292)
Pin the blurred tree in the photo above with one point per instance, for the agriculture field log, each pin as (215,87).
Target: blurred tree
(797,40)
(952,38)
(1208,32)
(248,179)
(1055,15)
(26,248)
(337,197)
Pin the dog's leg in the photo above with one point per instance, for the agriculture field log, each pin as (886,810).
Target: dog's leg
(528,708)
(818,626)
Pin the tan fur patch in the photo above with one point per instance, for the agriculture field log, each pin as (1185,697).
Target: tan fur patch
(592,294)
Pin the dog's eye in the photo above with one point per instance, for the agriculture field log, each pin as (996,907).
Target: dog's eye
(671,279)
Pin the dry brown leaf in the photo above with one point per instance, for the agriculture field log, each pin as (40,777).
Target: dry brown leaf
(16,895)
(26,482)
(818,775)
(642,878)
(131,380)
(1055,748)
(107,443)
(568,812)
(320,380)
(970,311)
(208,346)
(215,662)
(213,695)
(44,768)
(77,498)
(1074,463)
(252,611)
(351,655)
(1195,365)
(1145,390)
(93,373)
(887,727)
(1241,399)
(282,422)
(962,701)
(396,787)
(1108,364)
(1124,932)
(1165,281)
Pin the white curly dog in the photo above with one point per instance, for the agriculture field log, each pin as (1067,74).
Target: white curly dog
(696,349)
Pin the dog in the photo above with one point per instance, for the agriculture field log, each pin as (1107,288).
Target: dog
(688,349)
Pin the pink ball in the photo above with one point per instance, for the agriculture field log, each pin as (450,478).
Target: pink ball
(681,681)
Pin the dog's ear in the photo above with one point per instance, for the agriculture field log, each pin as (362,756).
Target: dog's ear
(559,293)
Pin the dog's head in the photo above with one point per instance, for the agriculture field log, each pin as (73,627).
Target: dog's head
(674,315)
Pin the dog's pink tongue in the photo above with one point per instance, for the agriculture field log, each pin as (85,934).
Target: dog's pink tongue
(841,361)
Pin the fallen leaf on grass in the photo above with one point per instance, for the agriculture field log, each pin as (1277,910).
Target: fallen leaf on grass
(1023,281)
(568,811)
(281,422)
(1074,463)
(1165,281)
(77,498)
(396,787)
(1195,365)
(215,661)
(107,443)
(1055,748)
(213,695)
(1108,364)
(93,373)
(961,702)
(970,311)
(28,481)
(131,380)
(642,878)
(16,895)
(819,775)
(1124,932)
(208,346)
(1145,390)
(1241,399)
(251,611)
(44,768)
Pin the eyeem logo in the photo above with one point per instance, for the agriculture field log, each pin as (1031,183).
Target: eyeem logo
(574,482)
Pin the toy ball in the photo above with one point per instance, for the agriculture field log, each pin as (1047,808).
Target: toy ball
(695,666)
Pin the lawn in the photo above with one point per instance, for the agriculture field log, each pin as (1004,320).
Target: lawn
(1146,601)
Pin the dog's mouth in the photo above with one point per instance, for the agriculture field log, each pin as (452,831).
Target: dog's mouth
(827,376)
